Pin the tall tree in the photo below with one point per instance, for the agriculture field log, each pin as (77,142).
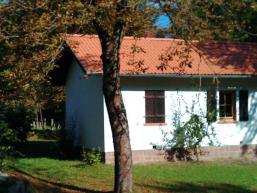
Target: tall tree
(32,34)
(110,41)
(111,20)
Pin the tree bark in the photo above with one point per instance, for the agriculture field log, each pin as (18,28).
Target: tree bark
(116,109)
(110,44)
(117,115)
(118,119)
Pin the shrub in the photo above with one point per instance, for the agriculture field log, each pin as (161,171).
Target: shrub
(14,127)
(91,157)
(187,138)
(6,153)
(8,136)
(15,122)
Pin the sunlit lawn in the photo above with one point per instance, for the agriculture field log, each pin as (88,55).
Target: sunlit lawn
(169,177)
(42,166)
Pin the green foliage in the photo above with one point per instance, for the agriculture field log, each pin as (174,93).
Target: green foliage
(31,38)
(15,122)
(91,157)
(6,158)
(191,133)
(185,141)
(32,35)
(7,135)
(212,19)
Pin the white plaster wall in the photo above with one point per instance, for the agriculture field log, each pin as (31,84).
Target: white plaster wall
(180,96)
(144,136)
(84,108)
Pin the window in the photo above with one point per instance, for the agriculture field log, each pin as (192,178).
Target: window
(154,106)
(227,105)
(243,105)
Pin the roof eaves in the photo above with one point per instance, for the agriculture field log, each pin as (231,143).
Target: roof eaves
(191,75)
(179,75)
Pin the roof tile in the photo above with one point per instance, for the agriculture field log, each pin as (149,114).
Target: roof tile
(168,56)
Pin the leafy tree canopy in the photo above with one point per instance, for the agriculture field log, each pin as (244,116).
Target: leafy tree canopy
(32,35)
(212,19)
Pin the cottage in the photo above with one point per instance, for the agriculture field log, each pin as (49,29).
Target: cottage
(162,80)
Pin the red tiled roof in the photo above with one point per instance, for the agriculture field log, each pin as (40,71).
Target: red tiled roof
(167,56)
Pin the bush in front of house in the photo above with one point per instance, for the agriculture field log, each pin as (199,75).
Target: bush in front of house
(185,141)
(91,156)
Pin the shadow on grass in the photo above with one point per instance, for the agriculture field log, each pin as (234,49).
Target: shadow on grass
(176,187)
(39,149)
(56,185)
(182,187)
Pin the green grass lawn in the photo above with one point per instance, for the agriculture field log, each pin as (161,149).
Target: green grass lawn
(168,177)
(179,177)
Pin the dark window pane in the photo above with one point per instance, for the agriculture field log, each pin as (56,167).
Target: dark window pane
(149,107)
(243,105)
(222,111)
(229,111)
(154,106)
(234,105)
(228,98)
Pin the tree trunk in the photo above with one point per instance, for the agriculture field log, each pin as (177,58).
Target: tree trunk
(117,115)
(110,44)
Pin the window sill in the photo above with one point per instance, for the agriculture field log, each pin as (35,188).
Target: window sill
(228,121)
(155,124)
